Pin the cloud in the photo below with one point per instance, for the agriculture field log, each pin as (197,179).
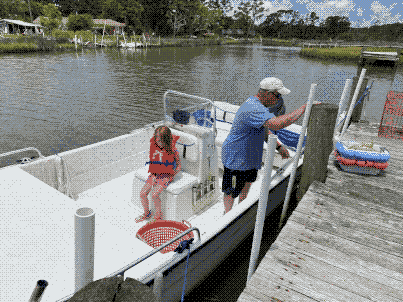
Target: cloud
(359,12)
(270,7)
(331,8)
(383,14)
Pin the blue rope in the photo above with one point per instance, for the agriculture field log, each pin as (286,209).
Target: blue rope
(185,244)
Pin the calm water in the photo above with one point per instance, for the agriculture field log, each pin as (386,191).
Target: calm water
(56,102)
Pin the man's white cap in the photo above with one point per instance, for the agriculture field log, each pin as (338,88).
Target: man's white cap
(274,84)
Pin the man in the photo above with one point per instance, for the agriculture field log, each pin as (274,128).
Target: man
(242,150)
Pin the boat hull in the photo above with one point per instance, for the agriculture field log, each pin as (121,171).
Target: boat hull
(206,258)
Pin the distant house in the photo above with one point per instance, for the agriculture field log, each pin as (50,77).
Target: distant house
(98,25)
(236,32)
(8,26)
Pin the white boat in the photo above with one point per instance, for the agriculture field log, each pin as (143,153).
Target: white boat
(131,44)
(39,200)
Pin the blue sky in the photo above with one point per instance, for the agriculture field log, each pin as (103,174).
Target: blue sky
(362,13)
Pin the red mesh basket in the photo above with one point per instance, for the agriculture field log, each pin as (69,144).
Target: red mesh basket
(158,232)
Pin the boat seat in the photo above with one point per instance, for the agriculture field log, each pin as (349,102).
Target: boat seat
(182,180)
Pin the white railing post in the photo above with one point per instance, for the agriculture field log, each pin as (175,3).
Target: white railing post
(341,105)
(296,157)
(261,211)
(350,111)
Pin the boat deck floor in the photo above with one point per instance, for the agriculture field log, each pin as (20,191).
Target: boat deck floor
(344,241)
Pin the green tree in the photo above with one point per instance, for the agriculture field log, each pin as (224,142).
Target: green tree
(133,13)
(204,19)
(336,25)
(247,14)
(52,17)
(79,22)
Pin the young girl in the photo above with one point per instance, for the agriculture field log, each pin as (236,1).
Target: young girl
(164,165)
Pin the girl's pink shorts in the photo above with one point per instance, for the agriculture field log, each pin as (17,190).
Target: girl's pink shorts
(163,179)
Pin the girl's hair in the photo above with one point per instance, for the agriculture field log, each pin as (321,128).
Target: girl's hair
(166,137)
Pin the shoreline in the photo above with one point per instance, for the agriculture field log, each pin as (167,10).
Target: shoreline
(39,44)
(336,51)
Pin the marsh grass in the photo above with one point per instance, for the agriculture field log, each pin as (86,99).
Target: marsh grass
(23,44)
(342,53)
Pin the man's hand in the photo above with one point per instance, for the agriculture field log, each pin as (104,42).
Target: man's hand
(284,152)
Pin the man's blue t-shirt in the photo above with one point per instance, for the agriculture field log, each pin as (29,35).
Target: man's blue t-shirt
(243,148)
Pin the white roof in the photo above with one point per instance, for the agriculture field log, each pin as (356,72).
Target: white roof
(20,22)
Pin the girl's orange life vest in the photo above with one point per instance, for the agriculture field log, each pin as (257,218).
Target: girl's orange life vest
(160,161)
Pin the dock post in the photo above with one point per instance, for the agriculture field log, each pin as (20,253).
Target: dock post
(319,145)
(356,115)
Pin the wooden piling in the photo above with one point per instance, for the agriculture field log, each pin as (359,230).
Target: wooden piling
(319,145)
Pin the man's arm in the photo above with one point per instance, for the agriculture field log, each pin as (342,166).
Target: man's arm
(283,121)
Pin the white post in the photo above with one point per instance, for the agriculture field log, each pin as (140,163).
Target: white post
(296,157)
(84,237)
(103,33)
(95,40)
(341,105)
(81,40)
(261,210)
(350,111)
(75,41)
(159,40)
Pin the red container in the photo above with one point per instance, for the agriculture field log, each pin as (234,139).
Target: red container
(158,232)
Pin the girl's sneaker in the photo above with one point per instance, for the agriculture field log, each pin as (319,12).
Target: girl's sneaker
(143,217)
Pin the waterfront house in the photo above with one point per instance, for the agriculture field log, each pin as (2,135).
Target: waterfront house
(118,28)
(8,26)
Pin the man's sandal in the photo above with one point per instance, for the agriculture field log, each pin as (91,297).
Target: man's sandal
(143,217)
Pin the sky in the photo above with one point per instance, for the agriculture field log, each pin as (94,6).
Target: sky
(361,13)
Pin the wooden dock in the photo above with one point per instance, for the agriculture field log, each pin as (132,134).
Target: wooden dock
(344,240)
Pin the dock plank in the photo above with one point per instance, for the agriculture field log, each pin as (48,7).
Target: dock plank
(332,246)
(258,286)
(339,277)
(329,203)
(305,284)
(341,261)
(345,230)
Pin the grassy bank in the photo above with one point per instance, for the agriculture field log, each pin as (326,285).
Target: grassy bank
(280,42)
(342,53)
(21,44)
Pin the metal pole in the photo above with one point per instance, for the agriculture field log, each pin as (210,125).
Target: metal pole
(38,291)
(299,148)
(341,105)
(261,210)
(350,111)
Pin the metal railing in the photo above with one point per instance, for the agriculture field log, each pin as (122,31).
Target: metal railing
(129,266)
(22,150)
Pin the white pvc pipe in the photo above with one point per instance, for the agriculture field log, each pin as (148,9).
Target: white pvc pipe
(297,155)
(341,105)
(261,210)
(84,235)
(350,111)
